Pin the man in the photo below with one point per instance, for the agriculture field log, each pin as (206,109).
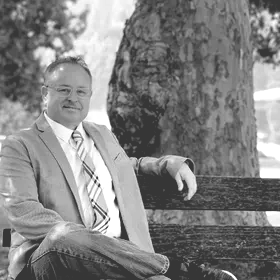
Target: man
(72,197)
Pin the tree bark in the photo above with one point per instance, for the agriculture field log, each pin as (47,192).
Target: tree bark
(182,84)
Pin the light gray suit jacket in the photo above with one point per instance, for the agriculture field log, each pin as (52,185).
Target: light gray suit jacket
(37,174)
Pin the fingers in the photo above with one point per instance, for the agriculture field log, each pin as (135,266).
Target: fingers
(185,174)
(192,186)
(188,176)
(179,182)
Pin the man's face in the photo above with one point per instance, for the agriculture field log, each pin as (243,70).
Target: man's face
(71,110)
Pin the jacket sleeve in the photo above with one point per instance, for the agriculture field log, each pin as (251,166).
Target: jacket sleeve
(165,165)
(19,191)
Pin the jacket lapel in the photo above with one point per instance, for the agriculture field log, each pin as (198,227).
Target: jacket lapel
(99,141)
(132,212)
(50,140)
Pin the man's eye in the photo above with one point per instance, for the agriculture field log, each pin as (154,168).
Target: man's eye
(81,92)
(64,90)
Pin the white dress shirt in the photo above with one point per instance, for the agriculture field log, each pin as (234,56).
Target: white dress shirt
(63,135)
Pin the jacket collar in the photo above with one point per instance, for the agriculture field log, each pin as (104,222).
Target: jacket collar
(49,139)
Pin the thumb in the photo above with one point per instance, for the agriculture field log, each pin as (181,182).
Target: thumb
(179,182)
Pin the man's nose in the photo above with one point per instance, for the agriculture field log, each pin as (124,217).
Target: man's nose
(73,95)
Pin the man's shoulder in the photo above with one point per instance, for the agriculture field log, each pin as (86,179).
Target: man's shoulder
(91,123)
(96,126)
(102,130)
(22,135)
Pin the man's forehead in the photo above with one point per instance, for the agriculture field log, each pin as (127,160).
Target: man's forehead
(64,70)
(56,73)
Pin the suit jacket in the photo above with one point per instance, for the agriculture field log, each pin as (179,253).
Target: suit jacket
(36,173)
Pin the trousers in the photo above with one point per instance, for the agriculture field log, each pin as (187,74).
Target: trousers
(72,252)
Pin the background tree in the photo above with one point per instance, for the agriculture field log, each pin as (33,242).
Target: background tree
(26,26)
(182,84)
(13,116)
(265,23)
(29,26)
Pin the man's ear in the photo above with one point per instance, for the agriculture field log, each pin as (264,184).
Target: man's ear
(44,93)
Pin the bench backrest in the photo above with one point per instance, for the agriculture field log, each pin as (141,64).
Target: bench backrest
(243,243)
(214,193)
(216,242)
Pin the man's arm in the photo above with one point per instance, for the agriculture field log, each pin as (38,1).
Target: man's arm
(161,166)
(181,169)
(169,164)
(19,189)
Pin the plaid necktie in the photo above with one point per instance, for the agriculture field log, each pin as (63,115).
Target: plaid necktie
(93,186)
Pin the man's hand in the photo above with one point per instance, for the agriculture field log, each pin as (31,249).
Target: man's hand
(185,174)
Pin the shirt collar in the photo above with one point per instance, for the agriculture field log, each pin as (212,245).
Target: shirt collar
(80,128)
(63,132)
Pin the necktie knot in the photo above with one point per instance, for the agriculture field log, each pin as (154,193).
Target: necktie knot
(77,137)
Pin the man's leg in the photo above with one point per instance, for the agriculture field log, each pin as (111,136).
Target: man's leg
(70,251)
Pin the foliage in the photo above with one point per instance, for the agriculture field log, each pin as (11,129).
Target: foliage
(13,116)
(265,24)
(28,25)
(25,26)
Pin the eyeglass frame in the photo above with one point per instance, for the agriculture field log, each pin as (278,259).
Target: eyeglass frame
(69,87)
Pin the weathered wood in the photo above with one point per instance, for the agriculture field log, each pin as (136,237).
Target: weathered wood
(217,242)
(256,245)
(3,257)
(214,193)
(210,243)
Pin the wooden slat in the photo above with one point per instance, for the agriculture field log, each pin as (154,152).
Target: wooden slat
(3,258)
(217,242)
(214,193)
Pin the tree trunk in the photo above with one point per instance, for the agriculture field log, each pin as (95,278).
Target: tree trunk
(182,84)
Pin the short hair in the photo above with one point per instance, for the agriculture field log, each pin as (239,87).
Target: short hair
(78,60)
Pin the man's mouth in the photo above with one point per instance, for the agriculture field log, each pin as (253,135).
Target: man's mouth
(71,107)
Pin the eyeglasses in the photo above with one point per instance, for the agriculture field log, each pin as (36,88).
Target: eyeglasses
(66,91)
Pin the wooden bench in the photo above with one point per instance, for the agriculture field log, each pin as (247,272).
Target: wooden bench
(216,243)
